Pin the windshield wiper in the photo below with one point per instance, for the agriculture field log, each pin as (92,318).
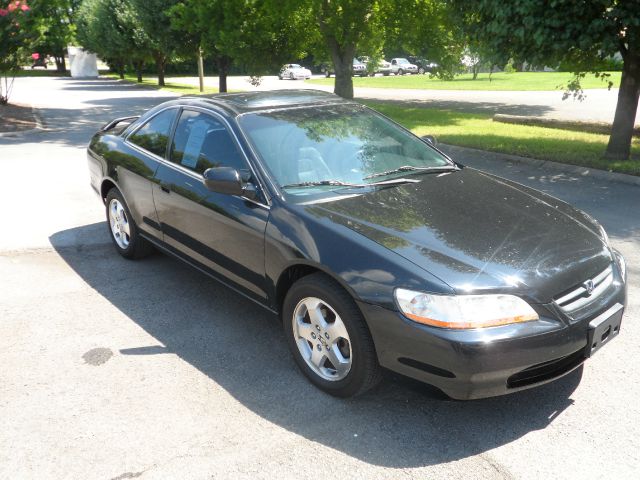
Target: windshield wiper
(411,168)
(319,183)
(338,183)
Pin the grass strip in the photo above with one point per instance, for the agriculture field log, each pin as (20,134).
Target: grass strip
(480,131)
(179,88)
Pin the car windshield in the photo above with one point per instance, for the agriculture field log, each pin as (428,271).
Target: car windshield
(295,65)
(403,60)
(337,147)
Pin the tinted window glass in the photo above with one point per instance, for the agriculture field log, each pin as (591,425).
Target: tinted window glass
(154,135)
(202,142)
(338,143)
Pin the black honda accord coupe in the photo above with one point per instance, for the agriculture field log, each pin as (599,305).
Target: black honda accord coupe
(375,248)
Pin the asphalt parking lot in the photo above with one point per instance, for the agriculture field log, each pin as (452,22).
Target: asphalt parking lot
(113,369)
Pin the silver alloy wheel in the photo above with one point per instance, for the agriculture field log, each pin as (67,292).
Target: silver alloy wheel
(322,339)
(119,222)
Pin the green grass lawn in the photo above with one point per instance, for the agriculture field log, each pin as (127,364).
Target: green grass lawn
(480,131)
(180,88)
(499,81)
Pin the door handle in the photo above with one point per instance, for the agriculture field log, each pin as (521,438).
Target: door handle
(165,188)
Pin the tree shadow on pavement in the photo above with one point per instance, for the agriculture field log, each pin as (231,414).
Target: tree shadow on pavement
(485,108)
(241,348)
(75,127)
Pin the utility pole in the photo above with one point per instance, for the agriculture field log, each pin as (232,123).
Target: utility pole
(200,69)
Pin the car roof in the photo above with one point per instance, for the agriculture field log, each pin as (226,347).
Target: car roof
(237,103)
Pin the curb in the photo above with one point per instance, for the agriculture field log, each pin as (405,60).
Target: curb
(547,164)
(18,134)
(603,128)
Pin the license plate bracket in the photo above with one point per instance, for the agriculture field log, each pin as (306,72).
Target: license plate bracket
(603,328)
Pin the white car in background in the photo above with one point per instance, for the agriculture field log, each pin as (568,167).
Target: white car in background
(383,67)
(400,66)
(293,71)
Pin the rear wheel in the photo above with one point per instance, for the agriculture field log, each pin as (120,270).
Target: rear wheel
(421,71)
(329,338)
(123,230)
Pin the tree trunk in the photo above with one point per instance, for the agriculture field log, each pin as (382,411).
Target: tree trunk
(138,67)
(223,69)
(161,62)
(619,146)
(121,69)
(343,65)
(61,65)
(475,68)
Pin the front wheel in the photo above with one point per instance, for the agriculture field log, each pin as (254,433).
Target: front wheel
(329,338)
(400,72)
(123,230)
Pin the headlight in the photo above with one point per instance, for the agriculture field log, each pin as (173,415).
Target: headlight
(463,311)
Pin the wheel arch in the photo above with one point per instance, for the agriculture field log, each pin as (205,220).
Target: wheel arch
(106,185)
(294,272)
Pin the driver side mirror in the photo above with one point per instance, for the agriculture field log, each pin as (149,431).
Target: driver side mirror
(228,180)
(431,139)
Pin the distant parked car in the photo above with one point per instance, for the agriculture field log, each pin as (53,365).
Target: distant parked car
(400,66)
(359,69)
(383,66)
(293,71)
(424,65)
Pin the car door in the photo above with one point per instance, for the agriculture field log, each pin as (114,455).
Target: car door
(222,233)
(142,152)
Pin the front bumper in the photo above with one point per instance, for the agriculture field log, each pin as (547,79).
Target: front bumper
(470,364)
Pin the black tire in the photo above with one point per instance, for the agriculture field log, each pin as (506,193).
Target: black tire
(365,371)
(400,72)
(421,71)
(137,246)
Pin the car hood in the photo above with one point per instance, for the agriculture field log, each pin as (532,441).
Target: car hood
(479,233)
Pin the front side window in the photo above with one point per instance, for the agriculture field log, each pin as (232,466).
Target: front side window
(201,142)
(305,148)
(153,136)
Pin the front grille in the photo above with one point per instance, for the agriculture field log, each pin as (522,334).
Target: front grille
(580,296)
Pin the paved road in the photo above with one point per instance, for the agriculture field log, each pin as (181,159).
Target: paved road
(599,104)
(118,369)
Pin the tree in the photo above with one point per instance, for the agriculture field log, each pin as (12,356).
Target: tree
(111,29)
(52,29)
(12,36)
(366,27)
(427,29)
(239,32)
(155,20)
(581,34)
